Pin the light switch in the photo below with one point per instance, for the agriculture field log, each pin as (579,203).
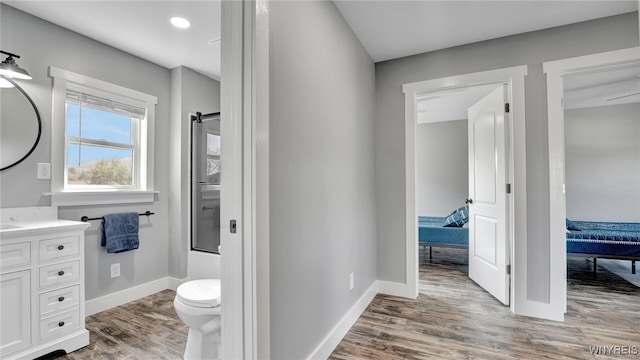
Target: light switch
(44,171)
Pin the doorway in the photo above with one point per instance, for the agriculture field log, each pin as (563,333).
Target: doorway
(515,175)
(475,156)
(556,71)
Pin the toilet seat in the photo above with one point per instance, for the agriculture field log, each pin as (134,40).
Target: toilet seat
(203,293)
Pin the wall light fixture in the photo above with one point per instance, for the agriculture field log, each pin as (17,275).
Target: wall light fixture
(9,68)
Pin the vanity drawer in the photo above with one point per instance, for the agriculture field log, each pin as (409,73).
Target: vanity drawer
(15,254)
(59,300)
(58,325)
(59,273)
(58,247)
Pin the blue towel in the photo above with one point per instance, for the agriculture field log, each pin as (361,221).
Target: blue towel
(120,232)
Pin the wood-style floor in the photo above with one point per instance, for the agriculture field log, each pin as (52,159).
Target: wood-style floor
(148,328)
(452,318)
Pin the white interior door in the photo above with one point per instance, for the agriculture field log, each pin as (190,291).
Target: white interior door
(488,247)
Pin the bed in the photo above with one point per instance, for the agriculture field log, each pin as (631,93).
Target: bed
(606,240)
(432,232)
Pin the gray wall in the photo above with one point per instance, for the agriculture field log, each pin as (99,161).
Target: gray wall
(442,167)
(530,49)
(42,44)
(602,155)
(322,201)
(191,92)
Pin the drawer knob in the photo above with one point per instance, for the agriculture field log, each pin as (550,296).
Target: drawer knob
(60,247)
(61,298)
(61,324)
(60,273)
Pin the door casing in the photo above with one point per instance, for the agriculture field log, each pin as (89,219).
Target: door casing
(555,70)
(514,76)
(245,198)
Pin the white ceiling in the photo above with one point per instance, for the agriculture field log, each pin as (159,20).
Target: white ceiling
(390,29)
(600,88)
(450,104)
(142,28)
(597,88)
(387,29)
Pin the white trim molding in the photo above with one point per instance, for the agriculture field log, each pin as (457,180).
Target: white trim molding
(244,87)
(237,201)
(257,145)
(555,70)
(121,297)
(142,190)
(333,338)
(395,289)
(85,198)
(517,176)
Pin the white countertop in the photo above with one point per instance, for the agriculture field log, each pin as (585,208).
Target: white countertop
(34,220)
(21,228)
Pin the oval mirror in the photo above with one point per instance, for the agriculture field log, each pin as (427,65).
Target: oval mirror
(20,125)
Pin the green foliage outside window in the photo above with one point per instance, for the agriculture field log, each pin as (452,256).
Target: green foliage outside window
(105,172)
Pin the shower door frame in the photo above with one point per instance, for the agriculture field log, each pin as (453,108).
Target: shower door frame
(195,185)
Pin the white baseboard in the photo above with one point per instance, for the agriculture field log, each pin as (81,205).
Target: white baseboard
(173,283)
(118,298)
(397,289)
(329,343)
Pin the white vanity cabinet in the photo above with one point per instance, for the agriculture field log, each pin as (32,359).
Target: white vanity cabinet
(41,287)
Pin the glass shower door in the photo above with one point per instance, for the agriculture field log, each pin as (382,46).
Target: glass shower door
(205,184)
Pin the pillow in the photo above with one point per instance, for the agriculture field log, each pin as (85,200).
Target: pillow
(572,226)
(457,218)
(465,213)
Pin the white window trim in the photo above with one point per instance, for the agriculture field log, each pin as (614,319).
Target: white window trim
(61,197)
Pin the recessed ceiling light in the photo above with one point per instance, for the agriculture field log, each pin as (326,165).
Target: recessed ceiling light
(180,22)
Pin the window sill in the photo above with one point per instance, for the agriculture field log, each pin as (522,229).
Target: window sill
(81,198)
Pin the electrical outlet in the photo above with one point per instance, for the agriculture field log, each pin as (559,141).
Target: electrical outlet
(44,171)
(351,281)
(115,270)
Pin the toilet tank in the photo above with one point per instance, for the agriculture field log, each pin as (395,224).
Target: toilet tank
(203,265)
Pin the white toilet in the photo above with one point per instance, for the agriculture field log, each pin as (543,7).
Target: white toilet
(197,303)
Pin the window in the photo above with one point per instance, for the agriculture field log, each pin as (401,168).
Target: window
(102,144)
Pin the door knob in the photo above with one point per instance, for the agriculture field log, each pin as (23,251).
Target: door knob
(468,201)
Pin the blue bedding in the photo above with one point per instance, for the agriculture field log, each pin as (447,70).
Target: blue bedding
(594,239)
(598,238)
(605,238)
(431,232)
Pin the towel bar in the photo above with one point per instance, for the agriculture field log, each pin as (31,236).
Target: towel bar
(86,218)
